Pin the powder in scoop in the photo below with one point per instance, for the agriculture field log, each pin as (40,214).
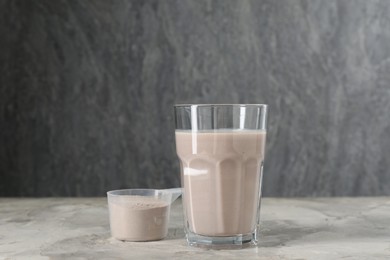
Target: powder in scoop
(138,218)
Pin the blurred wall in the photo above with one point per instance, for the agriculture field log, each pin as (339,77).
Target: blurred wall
(87,89)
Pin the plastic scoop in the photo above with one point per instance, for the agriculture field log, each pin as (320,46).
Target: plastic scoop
(140,214)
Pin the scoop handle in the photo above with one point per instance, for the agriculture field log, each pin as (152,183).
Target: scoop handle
(176,193)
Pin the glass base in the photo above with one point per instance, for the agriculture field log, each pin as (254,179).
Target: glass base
(231,242)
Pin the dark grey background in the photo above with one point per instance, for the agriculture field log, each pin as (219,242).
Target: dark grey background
(87,89)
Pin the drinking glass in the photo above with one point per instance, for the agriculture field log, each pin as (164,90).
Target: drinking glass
(221,152)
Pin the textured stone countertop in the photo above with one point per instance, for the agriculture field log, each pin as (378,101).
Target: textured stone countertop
(77,228)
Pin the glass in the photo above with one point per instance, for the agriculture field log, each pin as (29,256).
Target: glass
(221,152)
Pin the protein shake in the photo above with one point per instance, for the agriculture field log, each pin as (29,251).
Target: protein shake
(221,175)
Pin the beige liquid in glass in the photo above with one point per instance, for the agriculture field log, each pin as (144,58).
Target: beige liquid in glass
(221,174)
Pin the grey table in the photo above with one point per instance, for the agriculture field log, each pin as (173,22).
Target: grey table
(77,228)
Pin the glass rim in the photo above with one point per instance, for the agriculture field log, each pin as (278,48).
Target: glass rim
(216,105)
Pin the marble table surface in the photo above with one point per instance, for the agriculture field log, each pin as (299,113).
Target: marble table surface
(315,228)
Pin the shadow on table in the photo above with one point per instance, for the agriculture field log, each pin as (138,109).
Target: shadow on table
(175,233)
(279,233)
